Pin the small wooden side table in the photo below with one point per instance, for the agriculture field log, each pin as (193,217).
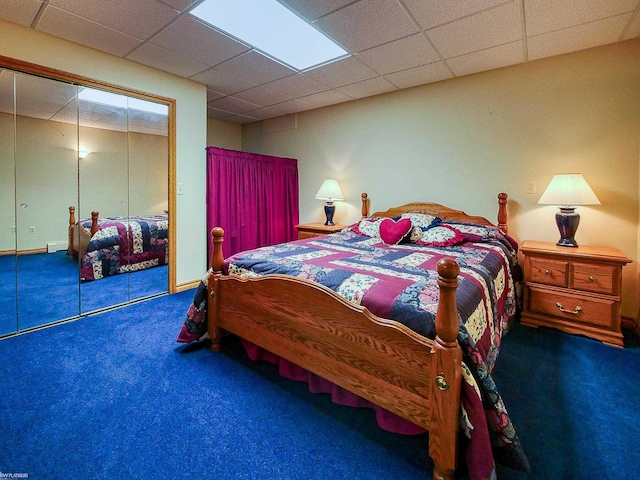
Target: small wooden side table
(308,230)
(576,290)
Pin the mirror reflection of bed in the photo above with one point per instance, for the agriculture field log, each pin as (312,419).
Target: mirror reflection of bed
(63,148)
(105,248)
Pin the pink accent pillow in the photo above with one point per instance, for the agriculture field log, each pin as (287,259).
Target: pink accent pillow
(393,232)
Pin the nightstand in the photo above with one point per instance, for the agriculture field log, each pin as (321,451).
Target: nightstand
(309,230)
(576,290)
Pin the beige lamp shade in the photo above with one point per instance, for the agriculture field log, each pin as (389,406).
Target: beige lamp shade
(570,189)
(330,191)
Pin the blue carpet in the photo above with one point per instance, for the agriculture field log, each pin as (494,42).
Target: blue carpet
(574,402)
(48,290)
(113,396)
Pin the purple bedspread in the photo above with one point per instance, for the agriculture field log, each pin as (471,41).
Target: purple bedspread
(399,282)
(125,244)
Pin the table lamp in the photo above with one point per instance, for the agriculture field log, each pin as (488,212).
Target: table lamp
(567,191)
(329,191)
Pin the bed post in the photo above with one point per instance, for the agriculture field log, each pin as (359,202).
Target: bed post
(72,222)
(217,262)
(502,213)
(365,205)
(446,376)
(94,223)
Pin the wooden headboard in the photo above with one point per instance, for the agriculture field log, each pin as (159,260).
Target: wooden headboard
(445,213)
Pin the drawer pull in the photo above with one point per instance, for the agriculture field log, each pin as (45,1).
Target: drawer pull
(592,278)
(564,310)
(547,272)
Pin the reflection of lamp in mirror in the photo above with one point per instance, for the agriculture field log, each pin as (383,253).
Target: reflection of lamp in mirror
(329,191)
(568,191)
(82,152)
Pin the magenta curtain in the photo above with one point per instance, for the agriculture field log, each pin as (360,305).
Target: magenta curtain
(254,198)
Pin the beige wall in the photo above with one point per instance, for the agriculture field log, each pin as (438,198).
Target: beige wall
(224,134)
(460,142)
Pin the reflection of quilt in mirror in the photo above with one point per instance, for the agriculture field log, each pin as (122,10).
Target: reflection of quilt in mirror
(398,282)
(125,244)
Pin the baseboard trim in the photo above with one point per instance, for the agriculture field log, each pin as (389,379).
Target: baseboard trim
(187,286)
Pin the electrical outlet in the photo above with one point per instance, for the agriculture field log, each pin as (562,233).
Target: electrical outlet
(531,186)
(32,229)
(13,229)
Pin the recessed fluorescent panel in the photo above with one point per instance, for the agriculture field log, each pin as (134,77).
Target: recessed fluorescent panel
(271,28)
(121,101)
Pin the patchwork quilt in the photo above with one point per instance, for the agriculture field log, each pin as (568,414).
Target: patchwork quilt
(394,276)
(125,244)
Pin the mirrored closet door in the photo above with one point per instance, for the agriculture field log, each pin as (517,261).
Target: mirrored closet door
(70,152)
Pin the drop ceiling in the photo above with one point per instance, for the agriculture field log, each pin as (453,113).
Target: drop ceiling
(393,44)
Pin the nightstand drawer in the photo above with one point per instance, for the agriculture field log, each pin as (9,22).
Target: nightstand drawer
(572,307)
(595,278)
(547,271)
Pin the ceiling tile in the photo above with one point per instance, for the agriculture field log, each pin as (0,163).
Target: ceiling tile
(545,16)
(222,82)
(255,68)
(231,104)
(488,59)
(435,13)
(181,5)
(284,108)
(634,28)
(399,55)
(77,29)
(368,88)
(213,95)
(262,95)
(20,11)
(215,113)
(583,36)
(367,23)
(163,59)
(192,38)
(343,72)
(298,85)
(322,99)
(314,9)
(413,77)
(484,30)
(138,19)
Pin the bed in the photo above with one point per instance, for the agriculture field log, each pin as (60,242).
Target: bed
(113,245)
(425,367)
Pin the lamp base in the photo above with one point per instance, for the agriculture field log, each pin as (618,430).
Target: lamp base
(567,220)
(329,210)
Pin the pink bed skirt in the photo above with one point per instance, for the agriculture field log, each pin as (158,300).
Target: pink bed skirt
(386,420)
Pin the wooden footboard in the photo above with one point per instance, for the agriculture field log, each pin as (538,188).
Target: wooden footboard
(79,236)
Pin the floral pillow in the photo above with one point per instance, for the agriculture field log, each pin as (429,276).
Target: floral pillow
(369,227)
(440,236)
(421,220)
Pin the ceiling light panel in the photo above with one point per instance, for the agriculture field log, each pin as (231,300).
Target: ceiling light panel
(271,28)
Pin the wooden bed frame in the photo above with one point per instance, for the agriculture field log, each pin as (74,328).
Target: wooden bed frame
(378,359)
(79,236)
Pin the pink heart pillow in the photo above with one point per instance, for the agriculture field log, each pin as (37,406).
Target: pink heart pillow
(393,232)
